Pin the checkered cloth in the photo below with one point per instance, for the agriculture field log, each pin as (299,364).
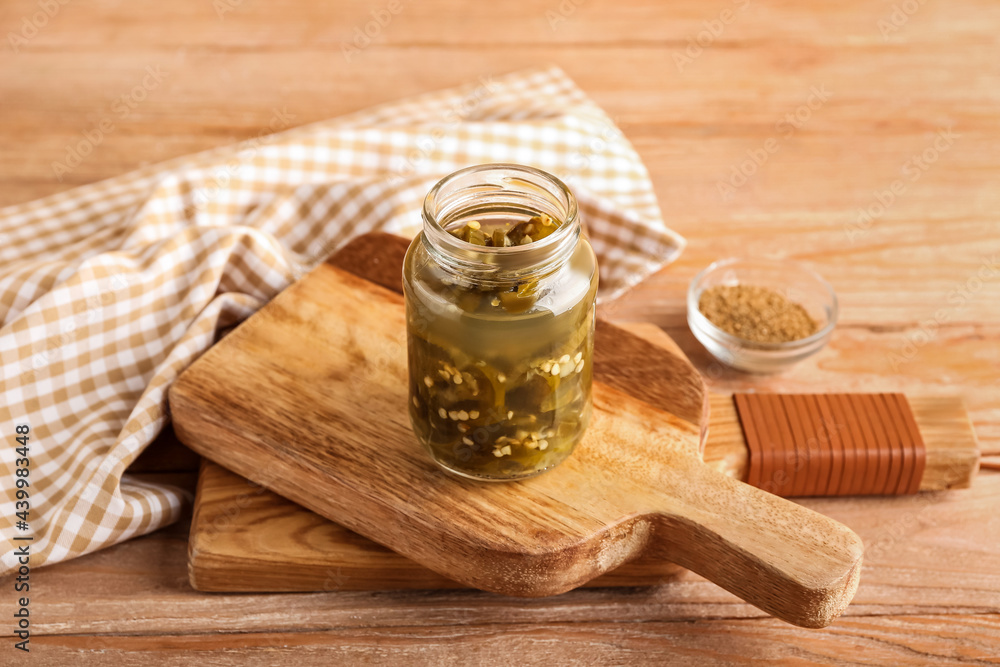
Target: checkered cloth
(108,291)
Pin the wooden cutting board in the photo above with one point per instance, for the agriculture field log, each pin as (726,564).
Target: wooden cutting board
(308,399)
(245,538)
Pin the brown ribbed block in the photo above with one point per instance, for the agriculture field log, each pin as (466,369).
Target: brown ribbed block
(869,405)
(831,444)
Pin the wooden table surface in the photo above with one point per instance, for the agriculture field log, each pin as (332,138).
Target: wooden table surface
(891,107)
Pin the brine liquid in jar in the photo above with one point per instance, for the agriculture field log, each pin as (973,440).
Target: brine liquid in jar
(500,295)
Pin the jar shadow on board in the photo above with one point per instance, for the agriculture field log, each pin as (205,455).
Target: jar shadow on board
(500,292)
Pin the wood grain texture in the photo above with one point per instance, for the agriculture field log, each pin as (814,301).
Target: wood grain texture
(306,398)
(939,640)
(890,94)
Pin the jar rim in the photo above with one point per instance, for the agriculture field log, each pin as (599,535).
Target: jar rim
(472,258)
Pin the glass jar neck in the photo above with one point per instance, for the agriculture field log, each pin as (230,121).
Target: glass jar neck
(499,192)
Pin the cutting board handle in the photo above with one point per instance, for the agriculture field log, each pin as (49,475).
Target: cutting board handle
(788,560)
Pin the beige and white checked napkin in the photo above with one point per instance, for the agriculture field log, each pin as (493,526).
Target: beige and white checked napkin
(108,291)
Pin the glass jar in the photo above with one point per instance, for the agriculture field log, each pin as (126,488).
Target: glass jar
(500,336)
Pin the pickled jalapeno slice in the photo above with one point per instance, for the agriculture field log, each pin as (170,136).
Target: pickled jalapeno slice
(499,389)
(515,299)
(475,415)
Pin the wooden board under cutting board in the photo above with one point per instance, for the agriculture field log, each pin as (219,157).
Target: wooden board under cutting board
(280,401)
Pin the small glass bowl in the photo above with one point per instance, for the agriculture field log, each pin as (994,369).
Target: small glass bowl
(793,281)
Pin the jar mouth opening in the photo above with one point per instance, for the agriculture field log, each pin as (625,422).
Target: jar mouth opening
(448,201)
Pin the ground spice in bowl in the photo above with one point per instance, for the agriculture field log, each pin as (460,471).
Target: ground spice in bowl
(756,313)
